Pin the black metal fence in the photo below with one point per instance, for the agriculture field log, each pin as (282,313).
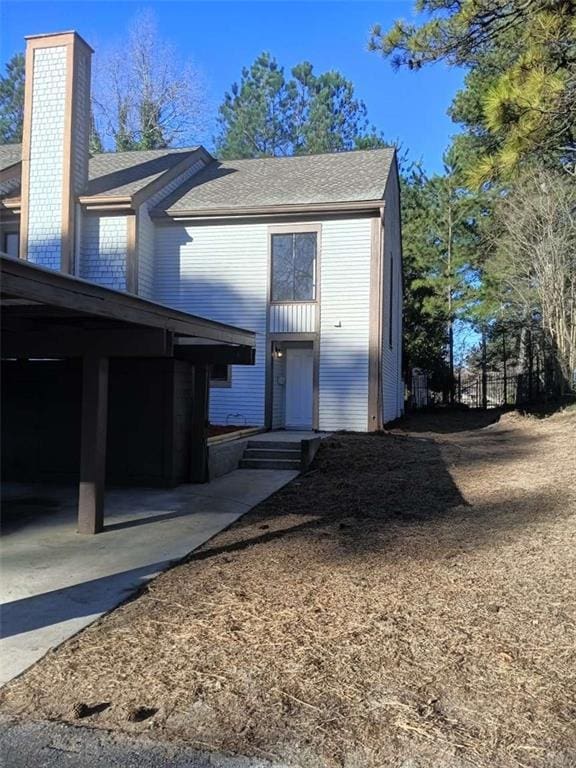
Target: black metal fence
(489,389)
(514,365)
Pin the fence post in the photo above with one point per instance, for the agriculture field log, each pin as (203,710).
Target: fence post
(504,363)
(484,377)
(530,367)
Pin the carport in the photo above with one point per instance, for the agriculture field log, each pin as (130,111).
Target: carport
(118,343)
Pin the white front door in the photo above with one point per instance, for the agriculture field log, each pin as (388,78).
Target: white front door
(299,387)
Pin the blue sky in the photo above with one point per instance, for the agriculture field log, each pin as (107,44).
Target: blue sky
(222,37)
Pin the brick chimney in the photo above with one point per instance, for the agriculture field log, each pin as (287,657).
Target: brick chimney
(54,146)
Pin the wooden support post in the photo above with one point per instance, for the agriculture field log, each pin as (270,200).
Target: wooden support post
(530,368)
(93,451)
(198,430)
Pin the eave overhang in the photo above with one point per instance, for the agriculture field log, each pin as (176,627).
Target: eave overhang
(269,211)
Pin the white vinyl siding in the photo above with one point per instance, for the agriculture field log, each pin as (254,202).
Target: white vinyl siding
(293,318)
(344,323)
(221,272)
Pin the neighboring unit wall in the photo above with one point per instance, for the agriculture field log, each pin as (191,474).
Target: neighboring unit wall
(220,271)
(344,324)
(149,433)
(392,385)
(104,242)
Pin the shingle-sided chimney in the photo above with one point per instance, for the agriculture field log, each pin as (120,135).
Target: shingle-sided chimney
(54,146)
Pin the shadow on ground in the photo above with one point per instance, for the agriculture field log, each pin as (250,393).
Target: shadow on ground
(363,491)
(447,420)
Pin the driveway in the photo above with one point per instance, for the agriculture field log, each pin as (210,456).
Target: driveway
(54,582)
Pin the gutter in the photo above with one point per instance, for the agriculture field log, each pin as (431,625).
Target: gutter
(271,210)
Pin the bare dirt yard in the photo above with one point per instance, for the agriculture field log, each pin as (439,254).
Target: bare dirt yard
(410,602)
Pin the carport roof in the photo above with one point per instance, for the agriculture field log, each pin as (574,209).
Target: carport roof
(35,293)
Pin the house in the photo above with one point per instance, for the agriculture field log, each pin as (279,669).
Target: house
(304,251)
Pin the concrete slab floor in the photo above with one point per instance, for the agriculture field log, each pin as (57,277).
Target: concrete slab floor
(54,582)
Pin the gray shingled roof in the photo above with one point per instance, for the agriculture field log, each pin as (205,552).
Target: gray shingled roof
(117,174)
(307,179)
(10,154)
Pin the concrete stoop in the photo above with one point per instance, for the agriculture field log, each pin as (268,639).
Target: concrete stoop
(272,454)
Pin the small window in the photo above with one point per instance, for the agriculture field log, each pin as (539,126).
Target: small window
(294,267)
(11,244)
(391,304)
(221,375)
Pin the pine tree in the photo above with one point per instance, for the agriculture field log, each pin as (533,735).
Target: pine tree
(255,117)
(518,102)
(12,101)
(268,115)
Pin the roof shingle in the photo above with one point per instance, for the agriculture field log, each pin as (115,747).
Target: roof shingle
(10,154)
(122,174)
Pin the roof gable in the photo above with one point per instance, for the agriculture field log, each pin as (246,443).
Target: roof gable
(122,174)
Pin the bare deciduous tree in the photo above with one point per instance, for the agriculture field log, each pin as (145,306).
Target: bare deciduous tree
(145,96)
(536,257)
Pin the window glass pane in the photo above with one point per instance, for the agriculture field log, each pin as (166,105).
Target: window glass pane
(293,267)
(12,244)
(282,268)
(304,261)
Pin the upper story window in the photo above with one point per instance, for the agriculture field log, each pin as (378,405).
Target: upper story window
(11,244)
(294,266)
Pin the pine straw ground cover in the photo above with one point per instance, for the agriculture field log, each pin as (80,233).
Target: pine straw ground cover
(409,602)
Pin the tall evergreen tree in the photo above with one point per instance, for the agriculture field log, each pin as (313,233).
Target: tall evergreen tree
(267,114)
(520,92)
(442,236)
(256,114)
(12,101)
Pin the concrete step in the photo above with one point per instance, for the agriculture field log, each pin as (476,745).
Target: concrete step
(270,464)
(272,453)
(284,445)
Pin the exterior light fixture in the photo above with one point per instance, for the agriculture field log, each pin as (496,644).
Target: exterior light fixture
(278,352)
